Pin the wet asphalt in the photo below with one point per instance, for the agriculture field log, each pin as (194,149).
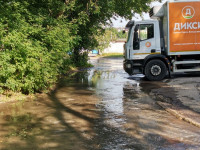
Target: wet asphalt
(129,106)
(103,108)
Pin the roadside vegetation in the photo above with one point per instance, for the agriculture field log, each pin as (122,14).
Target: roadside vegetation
(40,40)
(109,35)
(112,55)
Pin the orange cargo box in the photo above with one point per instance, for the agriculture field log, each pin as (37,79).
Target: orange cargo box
(184,27)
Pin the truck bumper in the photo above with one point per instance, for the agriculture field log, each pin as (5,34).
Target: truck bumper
(133,67)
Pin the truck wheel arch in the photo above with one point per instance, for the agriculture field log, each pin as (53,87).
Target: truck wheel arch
(160,57)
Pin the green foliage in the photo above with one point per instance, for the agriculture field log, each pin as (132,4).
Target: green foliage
(82,59)
(92,15)
(121,35)
(33,47)
(36,37)
(110,55)
(108,35)
(104,38)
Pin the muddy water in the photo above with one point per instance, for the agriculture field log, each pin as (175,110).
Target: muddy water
(102,108)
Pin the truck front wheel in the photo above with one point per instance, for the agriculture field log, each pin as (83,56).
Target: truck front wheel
(155,70)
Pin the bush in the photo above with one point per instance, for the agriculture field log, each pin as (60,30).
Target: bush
(36,37)
(33,47)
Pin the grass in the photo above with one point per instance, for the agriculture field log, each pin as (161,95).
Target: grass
(112,55)
(8,96)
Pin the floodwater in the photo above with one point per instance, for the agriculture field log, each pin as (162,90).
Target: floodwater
(98,109)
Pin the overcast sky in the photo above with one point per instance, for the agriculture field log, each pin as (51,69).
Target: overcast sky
(120,22)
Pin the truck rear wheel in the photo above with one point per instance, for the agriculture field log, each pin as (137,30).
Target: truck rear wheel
(155,70)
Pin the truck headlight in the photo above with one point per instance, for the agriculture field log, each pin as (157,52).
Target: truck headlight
(128,66)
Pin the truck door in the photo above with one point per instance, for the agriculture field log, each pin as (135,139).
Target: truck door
(144,43)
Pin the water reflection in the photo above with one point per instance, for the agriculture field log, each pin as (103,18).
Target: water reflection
(106,80)
(128,109)
(102,108)
(63,119)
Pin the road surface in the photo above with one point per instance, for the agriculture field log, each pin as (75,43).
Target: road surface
(102,108)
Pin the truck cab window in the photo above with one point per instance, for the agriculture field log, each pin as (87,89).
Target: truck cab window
(146,31)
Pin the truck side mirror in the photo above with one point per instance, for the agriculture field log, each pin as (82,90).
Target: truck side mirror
(136,43)
(136,38)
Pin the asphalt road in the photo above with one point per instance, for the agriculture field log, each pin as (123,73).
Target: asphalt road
(130,105)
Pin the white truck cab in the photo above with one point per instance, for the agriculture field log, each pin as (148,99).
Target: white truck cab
(145,40)
(160,46)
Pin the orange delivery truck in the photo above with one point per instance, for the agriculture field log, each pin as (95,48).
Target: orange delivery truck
(169,42)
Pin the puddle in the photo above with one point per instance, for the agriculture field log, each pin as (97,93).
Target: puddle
(102,108)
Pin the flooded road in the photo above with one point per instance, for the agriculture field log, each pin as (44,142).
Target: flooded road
(102,108)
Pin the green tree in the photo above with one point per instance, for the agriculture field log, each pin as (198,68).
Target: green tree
(34,44)
(92,15)
(36,37)
(104,38)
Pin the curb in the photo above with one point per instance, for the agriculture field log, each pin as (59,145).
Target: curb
(181,113)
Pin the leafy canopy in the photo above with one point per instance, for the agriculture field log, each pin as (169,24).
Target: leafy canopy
(36,37)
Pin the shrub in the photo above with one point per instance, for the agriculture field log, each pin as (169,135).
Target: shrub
(33,47)
(36,37)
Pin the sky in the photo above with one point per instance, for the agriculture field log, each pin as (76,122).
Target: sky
(121,23)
